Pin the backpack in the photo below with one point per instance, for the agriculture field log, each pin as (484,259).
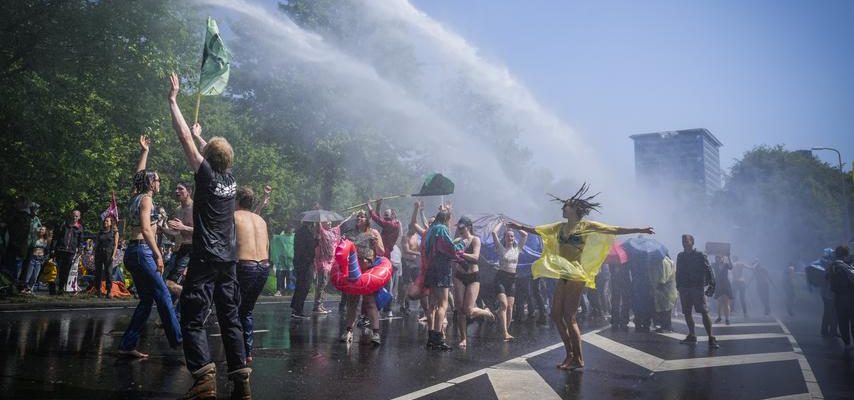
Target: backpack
(841,276)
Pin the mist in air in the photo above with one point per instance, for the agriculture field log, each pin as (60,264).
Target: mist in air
(421,85)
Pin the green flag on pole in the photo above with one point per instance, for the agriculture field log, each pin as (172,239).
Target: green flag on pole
(214,76)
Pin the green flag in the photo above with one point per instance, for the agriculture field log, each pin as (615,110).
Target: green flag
(214,76)
(436,185)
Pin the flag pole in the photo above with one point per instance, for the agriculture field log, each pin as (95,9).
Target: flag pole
(198,102)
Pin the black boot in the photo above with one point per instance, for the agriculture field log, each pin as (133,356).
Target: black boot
(431,339)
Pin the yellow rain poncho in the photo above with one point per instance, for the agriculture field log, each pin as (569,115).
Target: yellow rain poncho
(575,256)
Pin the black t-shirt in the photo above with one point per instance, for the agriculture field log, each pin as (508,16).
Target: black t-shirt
(104,243)
(213,215)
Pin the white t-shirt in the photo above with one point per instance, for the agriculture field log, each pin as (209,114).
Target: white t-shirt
(508,259)
(396,257)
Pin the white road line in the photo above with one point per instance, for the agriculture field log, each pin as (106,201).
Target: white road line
(723,361)
(809,378)
(747,336)
(516,379)
(799,396)
(628,353)
(254,331)
(733,325)
(71,309)
(498,368)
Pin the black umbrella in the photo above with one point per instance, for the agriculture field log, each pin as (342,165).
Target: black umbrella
(320,216)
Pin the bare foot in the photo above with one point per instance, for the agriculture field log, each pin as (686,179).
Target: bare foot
(491,316)
(462,344)
(566,363)
(575,366)
(508,337)
(132,354)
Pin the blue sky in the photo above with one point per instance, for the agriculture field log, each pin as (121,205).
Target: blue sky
(757,72)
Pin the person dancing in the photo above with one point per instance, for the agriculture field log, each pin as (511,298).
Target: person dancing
(508,250)
(573,252)
(467,281)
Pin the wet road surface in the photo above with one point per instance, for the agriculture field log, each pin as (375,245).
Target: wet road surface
(71,354)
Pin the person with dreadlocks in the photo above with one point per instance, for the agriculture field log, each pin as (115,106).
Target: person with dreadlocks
(573,252)
(144,261)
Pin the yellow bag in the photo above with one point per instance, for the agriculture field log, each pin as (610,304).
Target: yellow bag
(48,274)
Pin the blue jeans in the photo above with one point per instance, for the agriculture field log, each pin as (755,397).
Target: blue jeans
(34,268)
(251,276)
(139,260)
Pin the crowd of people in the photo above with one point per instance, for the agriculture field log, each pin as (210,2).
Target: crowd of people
(215,255)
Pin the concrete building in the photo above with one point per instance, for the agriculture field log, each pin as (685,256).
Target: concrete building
(685,160)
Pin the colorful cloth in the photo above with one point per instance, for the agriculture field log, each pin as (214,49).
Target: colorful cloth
(324,253)
(663,281)
(576,256)
(282,252)
(390,232)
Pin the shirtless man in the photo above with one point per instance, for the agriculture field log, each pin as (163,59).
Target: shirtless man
(253,246)
(180,228)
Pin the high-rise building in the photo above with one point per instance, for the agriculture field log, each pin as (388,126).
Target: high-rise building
(684,160)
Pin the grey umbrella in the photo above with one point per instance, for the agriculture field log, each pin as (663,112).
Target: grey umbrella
(320,216)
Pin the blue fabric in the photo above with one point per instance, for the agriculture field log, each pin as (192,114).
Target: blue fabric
(139,260)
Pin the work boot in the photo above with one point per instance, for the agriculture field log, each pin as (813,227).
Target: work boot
(240,377)
(204,386)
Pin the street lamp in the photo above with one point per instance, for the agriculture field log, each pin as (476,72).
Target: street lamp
(844,191)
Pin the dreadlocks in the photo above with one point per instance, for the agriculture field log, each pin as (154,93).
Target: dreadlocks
(580,201)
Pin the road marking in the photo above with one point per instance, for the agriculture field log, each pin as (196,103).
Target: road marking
(748,336)
(733,325)
(516,368)
(71,309)
(254,331)
(516,379)
(809,378)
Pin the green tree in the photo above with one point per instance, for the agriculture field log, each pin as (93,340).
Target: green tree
(784,205)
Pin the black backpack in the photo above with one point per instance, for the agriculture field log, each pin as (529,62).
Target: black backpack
(841,276)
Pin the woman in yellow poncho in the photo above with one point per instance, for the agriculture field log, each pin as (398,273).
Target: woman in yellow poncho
(573,252)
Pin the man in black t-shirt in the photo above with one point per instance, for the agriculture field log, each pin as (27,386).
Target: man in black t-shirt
(693,274)
(211,274)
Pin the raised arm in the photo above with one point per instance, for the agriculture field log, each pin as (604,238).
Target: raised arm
(349,217)
(144,143)
(267,190)
(197,134)
(413,222)
(495,239)
(194,158)
(523,238)
(522,228)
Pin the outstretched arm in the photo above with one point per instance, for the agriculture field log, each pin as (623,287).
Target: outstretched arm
(524,228)
(628,231)
(144,143)
(194,158)
(266,200)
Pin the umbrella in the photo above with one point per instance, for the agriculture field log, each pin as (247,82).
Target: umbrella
(435,184)
(320,216)
(617,255)
(644,246)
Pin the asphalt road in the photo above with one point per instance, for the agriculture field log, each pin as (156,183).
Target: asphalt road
(71,354)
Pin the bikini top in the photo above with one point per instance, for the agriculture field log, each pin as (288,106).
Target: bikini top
(133,210)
